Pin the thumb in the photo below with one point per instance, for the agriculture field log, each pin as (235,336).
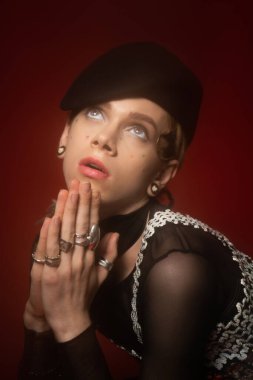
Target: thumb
(107,255)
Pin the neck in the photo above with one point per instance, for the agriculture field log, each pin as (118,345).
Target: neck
(109,210)
(130,226)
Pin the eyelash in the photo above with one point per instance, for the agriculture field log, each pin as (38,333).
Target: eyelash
(131,127)
(97,110)
(142,129)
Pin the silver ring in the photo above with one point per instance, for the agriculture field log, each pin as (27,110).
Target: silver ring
(53,261)
(82,240)
(65,246)
(38,261)
(105,264)
(90,240)
(94,236)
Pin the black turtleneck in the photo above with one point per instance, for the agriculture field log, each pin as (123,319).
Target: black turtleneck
(129,226)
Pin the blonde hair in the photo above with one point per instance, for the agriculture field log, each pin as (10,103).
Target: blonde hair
(172,145)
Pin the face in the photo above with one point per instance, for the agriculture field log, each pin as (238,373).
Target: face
(113,146)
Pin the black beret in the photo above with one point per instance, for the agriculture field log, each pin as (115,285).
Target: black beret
(139,70)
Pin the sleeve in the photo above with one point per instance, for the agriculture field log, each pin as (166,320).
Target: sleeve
(177,312)
(78,359)
(40,356)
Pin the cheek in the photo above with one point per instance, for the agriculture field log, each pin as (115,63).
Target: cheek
(146,164)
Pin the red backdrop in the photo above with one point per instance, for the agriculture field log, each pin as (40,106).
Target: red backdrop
(43,46)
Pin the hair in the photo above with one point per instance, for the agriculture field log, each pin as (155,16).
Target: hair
(170,146)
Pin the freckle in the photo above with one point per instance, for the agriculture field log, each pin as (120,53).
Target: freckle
(144,155)
(87,137)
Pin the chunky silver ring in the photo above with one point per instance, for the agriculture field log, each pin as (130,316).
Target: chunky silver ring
(53,261)
(82,240)
(65,246)
(105,264)
(94,236)
(39,261)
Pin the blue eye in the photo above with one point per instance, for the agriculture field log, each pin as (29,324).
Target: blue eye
(139,131)
(95,114)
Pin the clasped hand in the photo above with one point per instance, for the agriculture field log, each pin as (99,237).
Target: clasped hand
(60,297)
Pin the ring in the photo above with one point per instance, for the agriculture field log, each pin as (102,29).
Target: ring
(94,236)
(82,240)
(105,264)
(65,246)
(53,261)
(90,240)
(39,261)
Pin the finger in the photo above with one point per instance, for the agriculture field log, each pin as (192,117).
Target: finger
(60,202)
(52,244)
(94,233)
(95,205)
(89,257)
(68,221)
(83,213)
(109,245)
(82,221)
(41,246)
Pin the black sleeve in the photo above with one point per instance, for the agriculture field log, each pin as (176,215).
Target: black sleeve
(78,359)
(177,312)
(40,356)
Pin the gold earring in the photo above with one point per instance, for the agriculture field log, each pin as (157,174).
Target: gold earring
(61,149)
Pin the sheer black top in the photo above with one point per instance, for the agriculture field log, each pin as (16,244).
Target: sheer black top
(185,311)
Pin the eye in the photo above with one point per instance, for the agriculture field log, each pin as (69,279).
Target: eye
(95,114)
(139,131)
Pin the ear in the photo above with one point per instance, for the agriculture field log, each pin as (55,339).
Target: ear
(163,177)
(64,138)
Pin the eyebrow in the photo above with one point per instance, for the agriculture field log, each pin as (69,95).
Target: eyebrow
(143,117)
(135,115)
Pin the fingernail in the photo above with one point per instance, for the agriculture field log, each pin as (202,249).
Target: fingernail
(117,237)
(95,194)
(74,197)
(56,220)
(85,186)
(61,192)
(74,182)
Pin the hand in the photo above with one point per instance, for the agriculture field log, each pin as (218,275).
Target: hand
(34,317)
(67,291)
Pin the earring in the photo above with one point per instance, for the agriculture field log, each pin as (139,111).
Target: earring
(154,188)
(61,149)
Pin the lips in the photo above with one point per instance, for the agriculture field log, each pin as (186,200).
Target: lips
(93,168)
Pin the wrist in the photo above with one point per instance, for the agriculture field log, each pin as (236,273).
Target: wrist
(34,322)
(68,330)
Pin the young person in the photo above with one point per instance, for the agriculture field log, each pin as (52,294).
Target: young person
(164,286)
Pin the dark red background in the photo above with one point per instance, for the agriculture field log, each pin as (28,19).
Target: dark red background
(43,46)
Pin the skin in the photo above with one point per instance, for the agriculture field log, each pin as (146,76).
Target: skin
(125,143)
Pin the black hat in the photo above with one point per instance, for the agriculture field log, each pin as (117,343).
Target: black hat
(139,70)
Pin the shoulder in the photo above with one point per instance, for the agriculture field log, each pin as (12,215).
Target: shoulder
(193,250)
(168,231)
(181,275)
(179,294)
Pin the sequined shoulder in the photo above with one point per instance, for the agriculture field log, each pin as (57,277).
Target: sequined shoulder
(230,342)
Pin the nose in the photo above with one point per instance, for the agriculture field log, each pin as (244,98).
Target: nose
(105,140)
